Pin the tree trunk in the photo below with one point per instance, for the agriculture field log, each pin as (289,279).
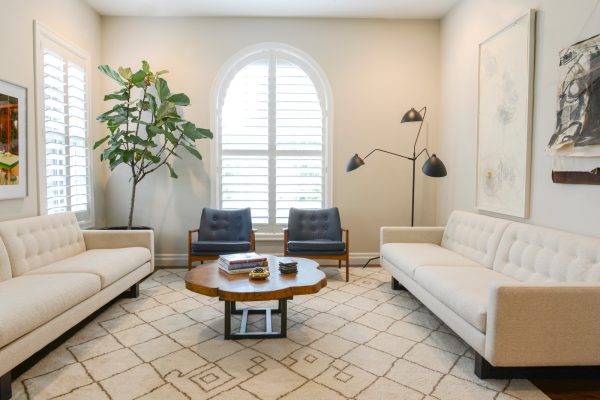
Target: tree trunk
(132,205)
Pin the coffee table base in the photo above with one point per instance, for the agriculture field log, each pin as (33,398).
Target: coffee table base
(268,333)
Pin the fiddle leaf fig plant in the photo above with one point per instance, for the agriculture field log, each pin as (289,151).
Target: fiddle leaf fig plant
(145,126)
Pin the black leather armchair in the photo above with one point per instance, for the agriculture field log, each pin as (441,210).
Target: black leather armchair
(221,232)
(317,234)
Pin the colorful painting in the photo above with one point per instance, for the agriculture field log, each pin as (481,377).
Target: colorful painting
(13,178)
(504,118)
(577,132)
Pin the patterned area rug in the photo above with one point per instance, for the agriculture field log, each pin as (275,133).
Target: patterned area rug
(359,340)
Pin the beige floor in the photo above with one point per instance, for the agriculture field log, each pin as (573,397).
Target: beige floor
(359,340)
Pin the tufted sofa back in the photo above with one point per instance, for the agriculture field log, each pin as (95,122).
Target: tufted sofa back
(34,242)
(474,236)
(5,272)
(225,225)
(307,224)
(532,253)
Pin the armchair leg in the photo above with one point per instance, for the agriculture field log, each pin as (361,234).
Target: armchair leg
(339,264)
(189,264)
(5,386)
(347,268)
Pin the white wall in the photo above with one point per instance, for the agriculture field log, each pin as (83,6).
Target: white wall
(559,24)
(377,69)
(76,23)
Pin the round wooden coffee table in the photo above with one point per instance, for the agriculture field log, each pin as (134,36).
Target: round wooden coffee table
(209,280)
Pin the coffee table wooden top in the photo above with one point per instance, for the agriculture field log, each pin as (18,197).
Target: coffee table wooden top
(210,280)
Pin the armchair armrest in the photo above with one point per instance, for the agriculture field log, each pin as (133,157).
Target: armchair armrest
(253,239)
(190,233)
(406,234)
(545,324)
(115,239)
(286,238)
(346,233)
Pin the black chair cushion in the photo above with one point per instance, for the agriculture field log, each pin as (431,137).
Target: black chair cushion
(318,246)
(216,247)
(225,225)
(322,223)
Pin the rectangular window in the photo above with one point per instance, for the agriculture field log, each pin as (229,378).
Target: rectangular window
(65,176)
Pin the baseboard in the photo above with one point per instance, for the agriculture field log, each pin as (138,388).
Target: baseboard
(180,260)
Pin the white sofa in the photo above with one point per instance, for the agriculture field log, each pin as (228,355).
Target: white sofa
(53,275)
(520,295)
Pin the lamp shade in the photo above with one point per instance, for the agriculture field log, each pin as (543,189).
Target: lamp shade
(412,115)
(354,162)
(434,167)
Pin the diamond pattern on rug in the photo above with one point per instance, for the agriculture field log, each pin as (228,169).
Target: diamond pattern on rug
(359,340)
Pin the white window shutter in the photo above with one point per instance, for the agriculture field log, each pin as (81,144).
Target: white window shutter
(271,128)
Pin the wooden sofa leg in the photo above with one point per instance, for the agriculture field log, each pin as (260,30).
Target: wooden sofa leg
(5,386)
(132,292)
(396,285)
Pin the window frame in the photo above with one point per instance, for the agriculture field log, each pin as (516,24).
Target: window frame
(219,90)
(45,38)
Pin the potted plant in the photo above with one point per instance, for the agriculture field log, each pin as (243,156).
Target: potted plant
(146,128)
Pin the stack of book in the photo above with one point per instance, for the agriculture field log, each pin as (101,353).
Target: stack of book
(288,266)
(241,263)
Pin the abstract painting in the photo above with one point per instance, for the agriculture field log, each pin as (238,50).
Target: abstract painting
(13,146)
(504,118)
(577,130)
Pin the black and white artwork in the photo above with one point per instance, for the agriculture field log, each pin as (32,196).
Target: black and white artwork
(577,132)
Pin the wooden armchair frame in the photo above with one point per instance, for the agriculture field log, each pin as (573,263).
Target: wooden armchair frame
(193,258)
(338,257)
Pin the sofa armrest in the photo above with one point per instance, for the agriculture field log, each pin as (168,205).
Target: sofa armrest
(114,239)
(546,324)
(406,234)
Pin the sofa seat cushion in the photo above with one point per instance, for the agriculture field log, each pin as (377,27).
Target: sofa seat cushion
(464,290)
(214,247)
(316,246)
(29,301)
(109,264)
(407,257)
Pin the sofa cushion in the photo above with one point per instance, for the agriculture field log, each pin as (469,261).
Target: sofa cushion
(36,242)
(407,257)
(29,301)
(207,247)
(109,264)
(532,253)
(462,289)
(474,236)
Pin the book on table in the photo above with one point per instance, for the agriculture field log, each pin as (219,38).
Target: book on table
(241,258)
(229,271)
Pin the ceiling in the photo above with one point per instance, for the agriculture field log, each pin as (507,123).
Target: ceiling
(275,8)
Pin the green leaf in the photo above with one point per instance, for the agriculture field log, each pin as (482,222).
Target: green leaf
(151,102)
(125,72)
(170,137)
(161,72)
(179,99)
(145,66)
(111,73)
(99,142)
(172,171)
(193,151)
(207,133)
(164,109)
(116,96)
(138,78)
(162,89)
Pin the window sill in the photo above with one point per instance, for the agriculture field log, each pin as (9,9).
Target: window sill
(268,237)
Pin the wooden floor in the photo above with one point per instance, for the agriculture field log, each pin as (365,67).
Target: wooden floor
(570,389)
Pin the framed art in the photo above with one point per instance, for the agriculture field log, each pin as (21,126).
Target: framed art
(575,143)
(504,118)
(13,141)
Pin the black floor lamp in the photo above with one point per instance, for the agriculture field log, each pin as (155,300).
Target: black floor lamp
(432,167)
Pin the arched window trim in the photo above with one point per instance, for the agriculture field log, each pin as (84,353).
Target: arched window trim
(219,90)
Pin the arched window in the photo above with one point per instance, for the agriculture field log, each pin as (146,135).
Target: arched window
(272,135)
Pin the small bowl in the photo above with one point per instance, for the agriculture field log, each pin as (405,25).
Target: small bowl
(259,273)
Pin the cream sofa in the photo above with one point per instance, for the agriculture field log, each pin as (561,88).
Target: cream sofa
(53,275)
(520,295)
